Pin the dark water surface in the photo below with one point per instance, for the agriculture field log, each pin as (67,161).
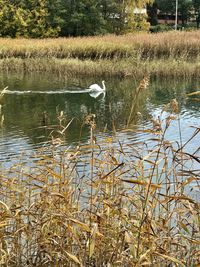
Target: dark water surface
(43,97)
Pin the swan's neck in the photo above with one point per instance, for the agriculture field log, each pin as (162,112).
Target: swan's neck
(104,87)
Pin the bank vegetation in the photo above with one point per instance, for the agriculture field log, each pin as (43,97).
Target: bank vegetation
(163,54)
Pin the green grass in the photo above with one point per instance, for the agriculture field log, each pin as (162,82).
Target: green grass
(161,54)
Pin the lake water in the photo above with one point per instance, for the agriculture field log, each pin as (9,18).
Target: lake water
(42,97)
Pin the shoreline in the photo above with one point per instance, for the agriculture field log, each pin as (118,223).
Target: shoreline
(124,68)
(167,54)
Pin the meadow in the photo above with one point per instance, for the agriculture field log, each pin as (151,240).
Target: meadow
(118,209)
(163,54)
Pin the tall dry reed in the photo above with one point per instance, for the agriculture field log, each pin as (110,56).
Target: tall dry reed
(172,44)
(162,54)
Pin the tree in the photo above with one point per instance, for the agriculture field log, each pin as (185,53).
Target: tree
(30,18)
(12,20)
(184,8)
(120,17)
(137,20)
(196,4)
(39,19)
(49,18)
(152,10)
(82,17)
(111,15)
(166,6)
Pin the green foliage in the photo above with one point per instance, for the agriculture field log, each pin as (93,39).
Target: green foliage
(166,6)
(48,18)
(152,11)
(160,28)
(28,19)
(185,7)
(38,20)
(51,18)
(196,4)
(110,11)
(12,20)
(82,18)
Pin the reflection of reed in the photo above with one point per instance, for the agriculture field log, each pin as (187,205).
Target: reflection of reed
(1,114)
(45,118)
(143,85)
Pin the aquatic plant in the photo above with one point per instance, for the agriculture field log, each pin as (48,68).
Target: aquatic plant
(162,54)
(180,45)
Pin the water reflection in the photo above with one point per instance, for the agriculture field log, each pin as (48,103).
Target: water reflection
(25,114)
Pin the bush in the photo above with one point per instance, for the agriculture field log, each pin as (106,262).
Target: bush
(161,28)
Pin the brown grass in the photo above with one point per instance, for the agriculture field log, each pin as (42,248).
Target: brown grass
(142,45)
(162,54)
(104,68)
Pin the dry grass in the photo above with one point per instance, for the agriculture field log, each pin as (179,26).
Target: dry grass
(142,45)
(102,204)
(162,54)
(104,68)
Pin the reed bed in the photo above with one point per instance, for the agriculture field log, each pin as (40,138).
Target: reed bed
(141,45)
(151,53)
(107,203)
(170,68)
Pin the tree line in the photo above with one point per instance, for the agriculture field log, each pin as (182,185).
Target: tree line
(51,18)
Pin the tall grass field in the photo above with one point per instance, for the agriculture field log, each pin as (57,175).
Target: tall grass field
(163,54)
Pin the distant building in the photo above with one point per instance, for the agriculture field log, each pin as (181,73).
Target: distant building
(136,11)
(140,11)
(166,18)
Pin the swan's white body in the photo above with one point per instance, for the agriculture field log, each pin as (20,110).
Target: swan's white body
(97,88)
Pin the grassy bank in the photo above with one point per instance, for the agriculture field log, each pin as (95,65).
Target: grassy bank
(168,54)
(105,68)
(107,203)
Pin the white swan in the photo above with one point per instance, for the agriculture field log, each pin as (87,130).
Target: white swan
(96,88)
